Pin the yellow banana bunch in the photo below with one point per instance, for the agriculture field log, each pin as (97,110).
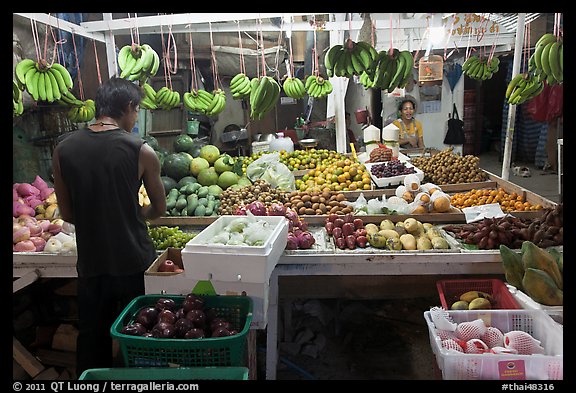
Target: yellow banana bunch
(82,113)
(523,87)
(393,69)
(167,99)
(143,199)
(480,69)
(138,62)
(352,58)
(317,86)
(149,100)
(294,88)
(548,59)
(240,86)
(17,100)
(264,95)
(42,81)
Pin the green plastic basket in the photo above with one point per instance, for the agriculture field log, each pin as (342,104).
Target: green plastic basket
(165,373)
(171,352)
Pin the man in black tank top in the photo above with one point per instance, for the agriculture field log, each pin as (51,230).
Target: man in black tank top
(98,171)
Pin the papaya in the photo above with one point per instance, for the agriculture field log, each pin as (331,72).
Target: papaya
(541,287)
(538,258)
(512,265)
(559,257)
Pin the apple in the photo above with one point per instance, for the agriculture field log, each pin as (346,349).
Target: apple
(167,266)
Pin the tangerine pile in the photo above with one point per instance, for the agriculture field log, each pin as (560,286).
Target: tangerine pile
(342,175)
(508,201)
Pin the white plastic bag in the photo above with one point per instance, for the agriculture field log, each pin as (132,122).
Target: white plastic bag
(269,168)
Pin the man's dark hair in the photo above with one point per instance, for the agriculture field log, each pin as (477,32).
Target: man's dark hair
(114,96)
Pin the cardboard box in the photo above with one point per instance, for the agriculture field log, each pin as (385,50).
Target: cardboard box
(156,282)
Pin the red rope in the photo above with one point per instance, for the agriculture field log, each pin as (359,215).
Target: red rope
(215,76)
(192,65)
(262,47)
(35,38)
(80,87)
(242,65)
(97,63)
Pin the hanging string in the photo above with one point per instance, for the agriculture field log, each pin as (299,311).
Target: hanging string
(372,30)
(97,63)
(242,65)
(262,47)
(164,57)
(391,35)
(278,44)
(291,57)
(80,87)
(316,67)
(193,82)
(35,38)
(215,76)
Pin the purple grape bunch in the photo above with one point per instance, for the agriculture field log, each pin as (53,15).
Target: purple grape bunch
(391,168)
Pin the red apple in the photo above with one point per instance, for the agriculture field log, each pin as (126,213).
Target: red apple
(167,266)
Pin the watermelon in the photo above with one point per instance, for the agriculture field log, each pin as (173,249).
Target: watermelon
(186,180)
(152,141)
(169,183)
(183,143)
(176,166)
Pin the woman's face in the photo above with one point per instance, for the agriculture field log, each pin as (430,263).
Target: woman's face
(407,110)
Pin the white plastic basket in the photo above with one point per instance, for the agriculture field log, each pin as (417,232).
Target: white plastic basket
(392,180)
(555,312)
(204,260)
(487,366)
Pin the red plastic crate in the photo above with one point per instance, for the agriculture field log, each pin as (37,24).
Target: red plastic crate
(450,291)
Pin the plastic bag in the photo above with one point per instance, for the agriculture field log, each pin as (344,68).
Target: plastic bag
(270,169)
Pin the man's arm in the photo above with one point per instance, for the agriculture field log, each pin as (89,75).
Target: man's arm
(149,165)
(62,194)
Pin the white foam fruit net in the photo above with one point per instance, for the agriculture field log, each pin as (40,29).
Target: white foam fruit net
(452,344)
(522,342)
(493,337)
(469,330)
(476,345)
(441,319)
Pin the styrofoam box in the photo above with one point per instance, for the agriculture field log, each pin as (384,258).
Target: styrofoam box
(537,323)
(525,301)
(208,261)
(392,180)
(156,282)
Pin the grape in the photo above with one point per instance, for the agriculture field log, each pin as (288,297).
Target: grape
(164,237)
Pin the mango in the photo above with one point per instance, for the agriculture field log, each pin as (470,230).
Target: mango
(471,295)
(386,224)
(408,241)
(459,305)
(411,225)
(439,243)
(423,243)
(480,303)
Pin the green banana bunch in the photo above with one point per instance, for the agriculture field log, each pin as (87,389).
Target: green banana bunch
(138,62)
(352,58)
(393,69)
(294,88)
(217,104)
(240,86)
(197,101)
(82,113)
(548,63)
(18,107)
(317,86)
(366,80)
(264,95)
(522,88)
(167,99)
(68,99)
(480,69)
(42,81)
(149,100)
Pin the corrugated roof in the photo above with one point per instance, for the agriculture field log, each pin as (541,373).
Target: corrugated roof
(510,20)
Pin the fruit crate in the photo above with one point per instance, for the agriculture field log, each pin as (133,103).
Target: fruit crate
(487,366)
(165,373)
(450,291)
(204,352)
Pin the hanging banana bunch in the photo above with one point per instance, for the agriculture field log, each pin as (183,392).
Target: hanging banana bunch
(523,87)
(480,69)
(240,86)
(350,59)
(83,112)
(366,80)
(264,95)
(18,107)
(149,100)
(393,69)
(201,101)
(548,59)
(138,62)
(317,86)
(167,98)
(294,88)
(44,82)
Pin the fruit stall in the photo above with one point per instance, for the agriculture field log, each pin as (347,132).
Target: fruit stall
(242,232)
